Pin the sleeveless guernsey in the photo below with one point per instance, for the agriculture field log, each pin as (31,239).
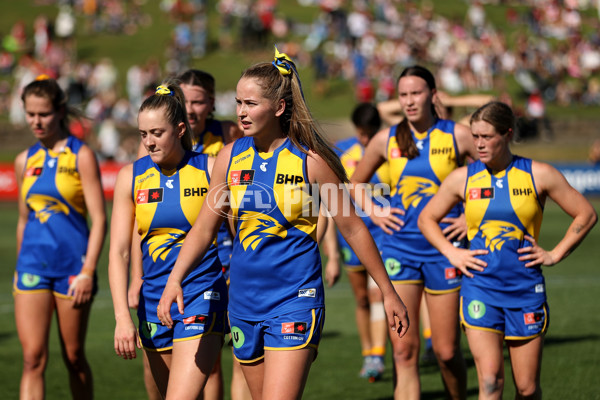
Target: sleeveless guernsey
(56,234)
(275,265)
(414,182)
(500,210)
(166,206)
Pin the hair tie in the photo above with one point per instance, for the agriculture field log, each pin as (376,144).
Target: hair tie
(286,66)
(163,91)
(283,63)
(42,77)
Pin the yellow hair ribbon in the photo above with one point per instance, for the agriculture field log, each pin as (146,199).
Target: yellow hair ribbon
(283,62)
(42,77)
(163,90)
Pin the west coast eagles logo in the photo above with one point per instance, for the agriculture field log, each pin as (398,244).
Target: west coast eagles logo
(46,206)
(255,227)
(162,240)
(496,233)
(414,188)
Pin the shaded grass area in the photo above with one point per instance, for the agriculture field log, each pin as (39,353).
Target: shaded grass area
(571,354)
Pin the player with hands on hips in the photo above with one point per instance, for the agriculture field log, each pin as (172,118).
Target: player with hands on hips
(503,297)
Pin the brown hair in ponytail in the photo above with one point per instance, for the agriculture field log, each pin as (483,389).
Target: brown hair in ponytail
(296,121)
(170,96)
(407,145)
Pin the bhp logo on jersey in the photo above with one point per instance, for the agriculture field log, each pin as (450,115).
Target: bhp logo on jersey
(145,196)
(481,193)
(289,179)
(241,177)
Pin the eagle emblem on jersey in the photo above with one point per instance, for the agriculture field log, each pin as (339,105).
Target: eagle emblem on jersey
(414,188)
(46,206)
(255,226)
(162,240)
(496,233)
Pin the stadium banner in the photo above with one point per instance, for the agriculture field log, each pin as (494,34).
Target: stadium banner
(9,189)
(583,177)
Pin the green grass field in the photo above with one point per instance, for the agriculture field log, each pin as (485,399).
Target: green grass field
(571,357)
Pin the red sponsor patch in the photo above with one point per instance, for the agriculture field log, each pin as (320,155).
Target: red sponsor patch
(241,177)
(34,171)
(293,327)
(450,273)
(145,196)
(532,318)
(395,153)
(481,193)
(196,319)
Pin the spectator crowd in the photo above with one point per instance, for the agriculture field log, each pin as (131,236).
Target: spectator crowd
(552,50)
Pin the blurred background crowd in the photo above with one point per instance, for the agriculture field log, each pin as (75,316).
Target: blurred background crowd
(552,50)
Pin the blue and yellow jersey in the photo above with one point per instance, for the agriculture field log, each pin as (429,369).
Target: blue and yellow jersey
(500,210)
(414,182)
(350,152)
(275,265)
(166,205)
(56,234)
(211,141)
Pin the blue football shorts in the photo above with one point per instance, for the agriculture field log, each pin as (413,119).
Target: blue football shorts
(157,337)
(291,331)
(25,282)
(514,323)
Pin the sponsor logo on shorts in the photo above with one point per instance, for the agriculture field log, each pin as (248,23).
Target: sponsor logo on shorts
(346,254)
(237,336)
(210,295)
(307,293)
(195,323)
(531,318)
(539,288)
(149,329)
(476,309)
(392,266)
(30,280)
(293,327)
(450,273)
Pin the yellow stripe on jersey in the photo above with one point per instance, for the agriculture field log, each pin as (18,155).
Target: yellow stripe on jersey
(442,156)
(396,164)
(36,160)
(242,161)
(298,205)
(144,215)
(529,212)
(68,181)
(193,186)
(474,215)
